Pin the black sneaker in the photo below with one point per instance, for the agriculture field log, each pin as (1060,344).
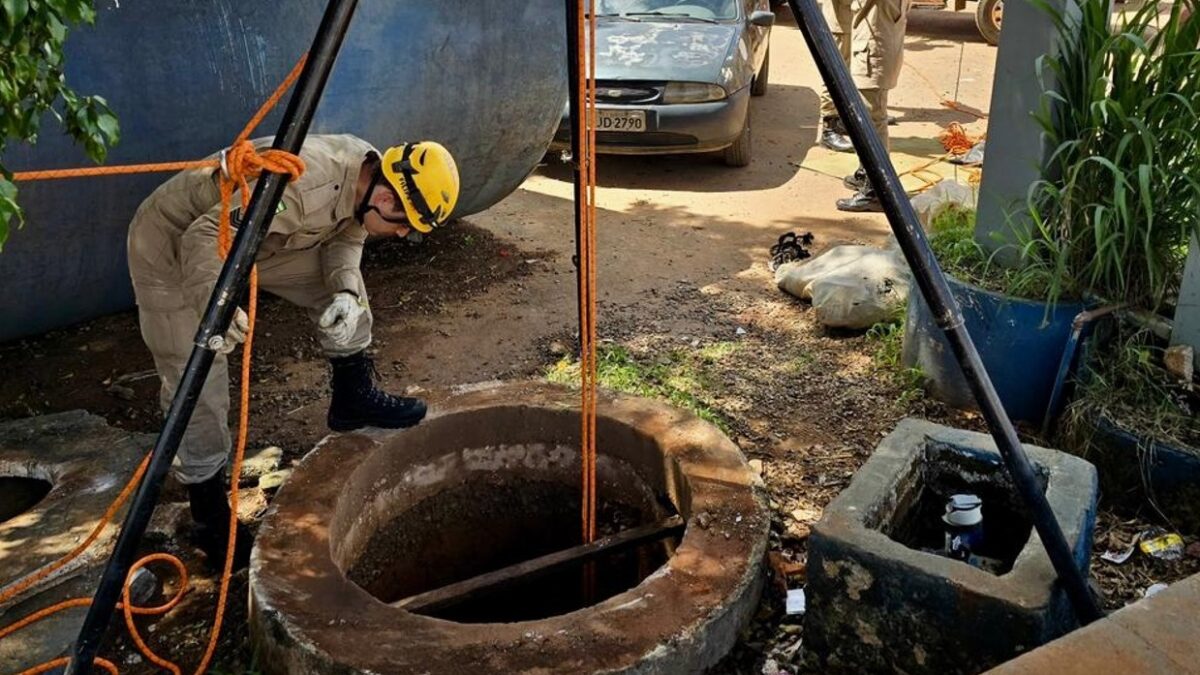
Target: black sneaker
(357,403)
(210,510)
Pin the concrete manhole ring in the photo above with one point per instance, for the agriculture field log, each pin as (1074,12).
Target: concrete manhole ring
(322,534)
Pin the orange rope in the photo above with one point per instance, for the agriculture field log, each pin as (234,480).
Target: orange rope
(957,141)
(586,137)
(244,163)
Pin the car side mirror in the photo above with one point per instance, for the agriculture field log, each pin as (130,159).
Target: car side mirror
(762,18)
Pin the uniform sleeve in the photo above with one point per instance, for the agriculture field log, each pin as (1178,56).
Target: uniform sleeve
(340,258)
(199,259)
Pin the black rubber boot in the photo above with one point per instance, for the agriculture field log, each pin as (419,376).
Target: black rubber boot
(833,137)
(856,181)
(863,201)
(357,403)
(210,510)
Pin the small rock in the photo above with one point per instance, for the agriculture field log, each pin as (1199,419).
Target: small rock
(414,390)
(805,515)
(558,348)
(703,519)
(740,331)
(757,466)
(1180,361)
(262,462)
(274,479)
(771,667)
(122,392)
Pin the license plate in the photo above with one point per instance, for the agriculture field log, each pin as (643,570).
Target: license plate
(621,120)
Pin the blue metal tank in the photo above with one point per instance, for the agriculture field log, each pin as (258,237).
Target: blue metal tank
(487,78)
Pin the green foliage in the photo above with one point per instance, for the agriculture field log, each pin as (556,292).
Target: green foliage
(952,238)
(888,339)
(677,376)
(32,83)
(1126,383)
(1120,194)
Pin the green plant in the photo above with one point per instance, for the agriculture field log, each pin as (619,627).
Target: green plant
(32,83)
(1127,384)
(678,376)
(888,339)
(1118,201)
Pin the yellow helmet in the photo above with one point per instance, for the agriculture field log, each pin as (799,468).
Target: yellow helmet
(426,178)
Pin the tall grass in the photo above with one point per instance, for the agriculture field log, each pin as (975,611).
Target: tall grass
(1120,196)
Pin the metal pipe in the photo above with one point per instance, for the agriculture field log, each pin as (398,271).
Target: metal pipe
(231,283)
(574,86)
(1081,329)
(932,283)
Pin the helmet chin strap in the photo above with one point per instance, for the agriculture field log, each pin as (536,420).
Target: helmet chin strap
(365,207)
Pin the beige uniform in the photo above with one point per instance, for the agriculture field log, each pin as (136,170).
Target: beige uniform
(874,52)
(311,252)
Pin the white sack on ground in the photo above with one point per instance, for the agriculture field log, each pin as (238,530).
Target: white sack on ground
(849,286)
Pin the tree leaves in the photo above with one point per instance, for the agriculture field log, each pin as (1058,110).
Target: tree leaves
(33,85)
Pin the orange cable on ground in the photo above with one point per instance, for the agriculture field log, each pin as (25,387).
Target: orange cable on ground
(242,163)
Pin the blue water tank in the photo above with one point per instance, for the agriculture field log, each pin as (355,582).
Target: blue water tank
(485,78)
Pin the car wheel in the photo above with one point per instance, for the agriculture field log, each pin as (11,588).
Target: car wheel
(759,86)
(988,17)
(738,154)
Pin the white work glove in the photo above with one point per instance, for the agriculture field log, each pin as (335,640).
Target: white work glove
(340,320)
(236,334)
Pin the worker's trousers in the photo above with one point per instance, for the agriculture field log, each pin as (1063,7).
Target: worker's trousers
(839,15)
(169,327)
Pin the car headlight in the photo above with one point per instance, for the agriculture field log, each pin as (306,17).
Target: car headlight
(692,92)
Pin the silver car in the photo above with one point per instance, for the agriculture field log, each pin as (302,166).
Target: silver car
(676,76)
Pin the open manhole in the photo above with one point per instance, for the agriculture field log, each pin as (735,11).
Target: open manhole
(456,544)
(484,525)
(943,471)
(19,494)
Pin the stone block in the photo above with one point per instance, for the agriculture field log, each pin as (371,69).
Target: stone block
(881,599)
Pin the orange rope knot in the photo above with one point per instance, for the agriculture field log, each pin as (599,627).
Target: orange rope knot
(241,164)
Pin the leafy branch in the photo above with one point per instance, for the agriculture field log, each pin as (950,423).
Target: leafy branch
(32,83)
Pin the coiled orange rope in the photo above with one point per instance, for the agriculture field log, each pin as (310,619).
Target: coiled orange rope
(243,164)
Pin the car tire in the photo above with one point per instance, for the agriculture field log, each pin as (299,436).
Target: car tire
(738,154)
(758,86)
(988,16)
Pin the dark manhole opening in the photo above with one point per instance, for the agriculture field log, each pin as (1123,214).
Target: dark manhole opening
(479,526)
(18,494)
(945,470)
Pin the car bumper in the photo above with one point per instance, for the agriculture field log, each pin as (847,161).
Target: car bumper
(670,129)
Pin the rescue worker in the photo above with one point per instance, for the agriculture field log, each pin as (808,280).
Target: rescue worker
(309,257)
(870,35)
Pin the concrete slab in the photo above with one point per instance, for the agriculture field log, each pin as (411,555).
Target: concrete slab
(1156,635)
(87,462)
(877,602)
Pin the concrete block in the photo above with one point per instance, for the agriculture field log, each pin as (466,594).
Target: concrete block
(879,600)
(86,463)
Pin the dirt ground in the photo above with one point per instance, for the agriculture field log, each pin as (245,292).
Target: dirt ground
(683,266)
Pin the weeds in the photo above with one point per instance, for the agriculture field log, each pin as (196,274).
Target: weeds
(679,376)
(888,339)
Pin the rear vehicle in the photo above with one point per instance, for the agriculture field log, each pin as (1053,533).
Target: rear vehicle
(676,76)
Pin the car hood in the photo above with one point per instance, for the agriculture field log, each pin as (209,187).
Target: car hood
(664,51)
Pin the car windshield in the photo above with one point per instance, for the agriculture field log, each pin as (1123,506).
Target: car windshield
(704,10)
